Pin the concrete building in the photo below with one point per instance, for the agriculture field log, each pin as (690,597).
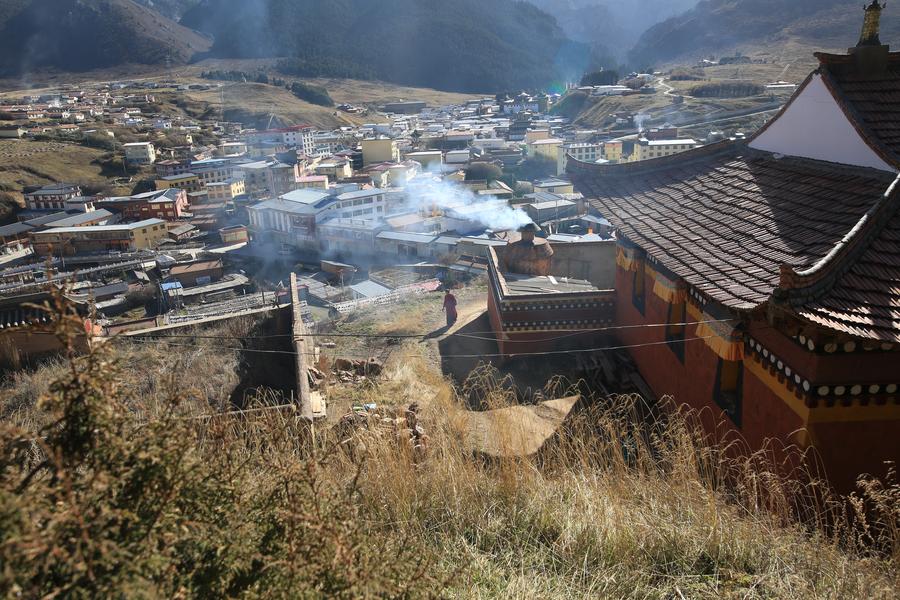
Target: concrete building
(584,152)
(69,241)
(184,181)
(225,191)
(52,196)
(545,148)
(645,149)
(168,204)
(379,150)
(140,153)
(291,219)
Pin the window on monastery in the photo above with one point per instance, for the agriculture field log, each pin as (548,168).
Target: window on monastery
(674,330)
(729,383)
(638,291)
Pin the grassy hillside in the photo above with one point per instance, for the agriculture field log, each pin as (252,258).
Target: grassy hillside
(255,104)
(79,35)
(717,27)
(122,494)
(462,45)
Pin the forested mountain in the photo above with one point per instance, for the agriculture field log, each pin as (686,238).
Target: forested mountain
(463,45)
(718,26)
(77,35)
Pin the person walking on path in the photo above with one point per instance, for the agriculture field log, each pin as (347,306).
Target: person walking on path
(450,308)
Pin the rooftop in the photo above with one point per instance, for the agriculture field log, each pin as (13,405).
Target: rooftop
(736,223)
(522,285)
(110,228)
(78,219)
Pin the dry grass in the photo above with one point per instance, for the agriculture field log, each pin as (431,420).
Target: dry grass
(261,100)
(24,163)
(616,505)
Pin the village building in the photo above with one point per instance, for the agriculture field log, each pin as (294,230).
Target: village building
(168,204)
(225,191)
(540,300)
(645,149)
(290,219)
(185,181)
(140,153)
(70,241)
(759,281)
(51,197)
(379,150)
(301,137)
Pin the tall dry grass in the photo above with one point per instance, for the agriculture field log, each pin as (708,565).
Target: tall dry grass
(106,501)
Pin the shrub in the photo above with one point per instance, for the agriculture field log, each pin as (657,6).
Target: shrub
(601,77)
(311,93)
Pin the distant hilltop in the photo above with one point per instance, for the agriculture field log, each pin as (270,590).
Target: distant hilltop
(722,26)
(78,35)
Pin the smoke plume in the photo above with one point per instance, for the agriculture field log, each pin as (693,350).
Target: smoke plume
(458,201)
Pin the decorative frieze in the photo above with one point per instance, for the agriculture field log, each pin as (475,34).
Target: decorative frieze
(828,395)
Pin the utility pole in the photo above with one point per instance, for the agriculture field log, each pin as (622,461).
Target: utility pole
(298,334)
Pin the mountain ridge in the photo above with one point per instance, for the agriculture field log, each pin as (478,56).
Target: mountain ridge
(723,26)
(86,34)
(460,45)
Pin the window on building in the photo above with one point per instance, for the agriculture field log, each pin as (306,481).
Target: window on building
(729,384)
(637,288)
(674,331)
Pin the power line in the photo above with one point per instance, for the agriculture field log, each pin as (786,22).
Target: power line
(495,355)
(416,335)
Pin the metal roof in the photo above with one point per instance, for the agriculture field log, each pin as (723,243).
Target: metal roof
(75,220)
(369,289)
(405,236)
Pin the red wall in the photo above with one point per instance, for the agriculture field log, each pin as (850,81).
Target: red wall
(846,448)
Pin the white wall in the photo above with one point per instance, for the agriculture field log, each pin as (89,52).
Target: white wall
(814,126)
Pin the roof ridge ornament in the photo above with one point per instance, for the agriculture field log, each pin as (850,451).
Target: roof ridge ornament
(871,24)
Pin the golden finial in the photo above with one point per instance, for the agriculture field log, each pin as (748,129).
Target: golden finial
(869,35)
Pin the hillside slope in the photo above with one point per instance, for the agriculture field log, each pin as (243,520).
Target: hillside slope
(77,35)
(462,45)
(611,26)
(721,26)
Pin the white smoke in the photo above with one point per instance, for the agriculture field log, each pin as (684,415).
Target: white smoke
(457,201)
(639,120)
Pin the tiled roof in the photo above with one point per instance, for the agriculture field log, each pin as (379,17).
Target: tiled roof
(856,290)
(872,97)
(725,218)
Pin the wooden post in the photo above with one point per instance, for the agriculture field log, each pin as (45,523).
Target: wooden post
(298,330)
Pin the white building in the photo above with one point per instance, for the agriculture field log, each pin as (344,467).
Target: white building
(140,153)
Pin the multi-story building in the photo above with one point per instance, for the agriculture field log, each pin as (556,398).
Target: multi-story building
(545,148)
(613,150)
(379,150)
(69,241)
(212,170)
(185,181)
(168,204)
(168,168)
(52,196)
(335,169)
(290,219)
(645,149)
(583,151)
(301,137)
(140,153)
(225,191)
